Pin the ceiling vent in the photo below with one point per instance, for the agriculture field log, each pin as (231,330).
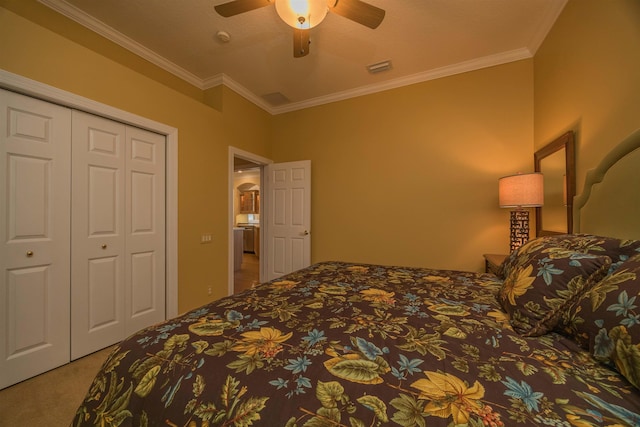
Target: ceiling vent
(276,99)
(379,67)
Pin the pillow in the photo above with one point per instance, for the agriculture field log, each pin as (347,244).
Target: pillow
(544,283)
(529,249)
(606,320)
(617,249)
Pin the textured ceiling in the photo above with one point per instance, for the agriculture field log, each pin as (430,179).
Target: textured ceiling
(423,39)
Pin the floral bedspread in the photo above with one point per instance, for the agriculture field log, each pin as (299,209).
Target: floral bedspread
(341,344)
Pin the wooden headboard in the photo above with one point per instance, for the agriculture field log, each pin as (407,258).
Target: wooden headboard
(610,201)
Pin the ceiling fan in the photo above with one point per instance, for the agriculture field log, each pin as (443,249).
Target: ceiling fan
(303,15)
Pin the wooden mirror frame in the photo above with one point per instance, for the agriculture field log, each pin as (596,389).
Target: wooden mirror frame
(565,142)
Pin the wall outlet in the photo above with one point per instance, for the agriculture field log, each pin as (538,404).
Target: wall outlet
(209,291)
(206,238)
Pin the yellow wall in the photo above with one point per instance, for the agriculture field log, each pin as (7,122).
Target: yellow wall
(392,163)
(407,176)
(48,18)
(246,126)
(204,133)
(587,78)
(410,176)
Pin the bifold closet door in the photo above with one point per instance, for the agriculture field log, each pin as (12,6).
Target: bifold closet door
(34,236)
(145,284)
(97,233)
(118,249)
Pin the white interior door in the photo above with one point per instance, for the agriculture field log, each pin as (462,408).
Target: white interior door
(97,233)
(145,229)
(34,236)
(288,239)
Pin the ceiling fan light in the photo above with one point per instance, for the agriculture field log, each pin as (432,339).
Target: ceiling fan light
(302,14)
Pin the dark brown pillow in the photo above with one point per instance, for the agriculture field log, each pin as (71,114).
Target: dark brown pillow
(606,320)
(618,250)
(546,282)
(531,248)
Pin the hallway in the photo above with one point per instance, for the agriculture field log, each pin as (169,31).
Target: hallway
(249,273)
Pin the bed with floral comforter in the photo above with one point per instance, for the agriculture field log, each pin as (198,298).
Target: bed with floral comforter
(552,341)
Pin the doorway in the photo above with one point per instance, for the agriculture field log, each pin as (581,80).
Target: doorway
(246,257)
(246,227)
(285,219)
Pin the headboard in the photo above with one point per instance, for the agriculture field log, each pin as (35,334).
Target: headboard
(610,201)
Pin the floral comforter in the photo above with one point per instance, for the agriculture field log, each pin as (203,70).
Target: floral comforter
(341,344)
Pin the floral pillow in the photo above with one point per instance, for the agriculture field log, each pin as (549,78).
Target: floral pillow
(544,283)
(617,249)
(606,320)
(529,249)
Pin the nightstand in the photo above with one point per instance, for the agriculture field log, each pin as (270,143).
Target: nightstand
(492,262)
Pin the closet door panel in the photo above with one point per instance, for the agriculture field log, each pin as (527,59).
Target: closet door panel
(103,201)
(145,222)
(34,236)
(27,289)
(98,233)
(103,295)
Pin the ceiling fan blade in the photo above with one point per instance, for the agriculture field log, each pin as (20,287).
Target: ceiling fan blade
(358,11)
(300,43)
(237,7)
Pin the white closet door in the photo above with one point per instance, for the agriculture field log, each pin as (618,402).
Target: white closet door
(97,233)
(145,229)
(34,236)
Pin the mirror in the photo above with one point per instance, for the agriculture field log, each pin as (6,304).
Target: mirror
(556,161)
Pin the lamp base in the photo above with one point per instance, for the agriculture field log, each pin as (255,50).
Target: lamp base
(519,228)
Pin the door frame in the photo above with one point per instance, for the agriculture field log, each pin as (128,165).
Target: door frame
(26,86)
(262,161)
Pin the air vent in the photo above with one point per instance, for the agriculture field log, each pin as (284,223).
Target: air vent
(379,67)
(276,99)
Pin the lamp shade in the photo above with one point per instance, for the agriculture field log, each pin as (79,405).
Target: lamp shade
(302,14)
(521,190)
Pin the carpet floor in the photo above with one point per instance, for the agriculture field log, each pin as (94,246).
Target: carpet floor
(52,398)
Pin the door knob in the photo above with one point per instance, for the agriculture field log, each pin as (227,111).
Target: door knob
(305,232)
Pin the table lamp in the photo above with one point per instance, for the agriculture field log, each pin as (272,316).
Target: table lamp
(520,191)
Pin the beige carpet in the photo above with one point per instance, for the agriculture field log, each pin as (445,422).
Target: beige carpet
(50,399)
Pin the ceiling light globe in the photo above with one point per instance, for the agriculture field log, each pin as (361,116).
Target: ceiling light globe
(302,14)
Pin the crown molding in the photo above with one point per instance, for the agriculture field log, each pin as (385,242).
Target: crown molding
(548,21)
(436,73)
(86,20)
(99,27)
(213,81)
(246,93)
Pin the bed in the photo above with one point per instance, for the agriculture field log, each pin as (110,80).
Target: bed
(553,339)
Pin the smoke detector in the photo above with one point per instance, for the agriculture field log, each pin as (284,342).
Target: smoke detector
(223,36)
